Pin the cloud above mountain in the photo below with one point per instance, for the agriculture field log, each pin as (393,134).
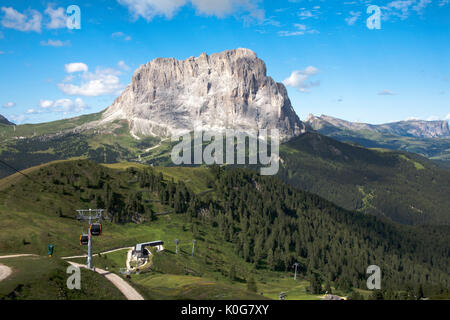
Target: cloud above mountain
(148,9)
(76,67)
(300,30)
(9,104)
(354,16)
(58,18)
(55,43)
(81,82)
(299,79)
(30,20)
(63,105)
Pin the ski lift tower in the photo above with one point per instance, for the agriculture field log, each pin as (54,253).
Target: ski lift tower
(90,215)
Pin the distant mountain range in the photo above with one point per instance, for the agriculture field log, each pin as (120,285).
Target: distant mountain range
(428,138)
(3,120)
(410,128)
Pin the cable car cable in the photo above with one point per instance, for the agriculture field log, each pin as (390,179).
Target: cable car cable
(18,171)
(28,177)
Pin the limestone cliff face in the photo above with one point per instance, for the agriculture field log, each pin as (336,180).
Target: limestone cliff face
(224,90)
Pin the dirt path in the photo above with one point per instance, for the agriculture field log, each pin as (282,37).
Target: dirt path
(153,148)
(5,272)
(18,256)
(128,291)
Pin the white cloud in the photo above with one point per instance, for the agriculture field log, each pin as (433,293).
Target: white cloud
(421,5)
(447,117)
(46,104)
(9,105)
(148,9)
(76,67)
(299,79)
(122,65)
(55,43)
(58,18)
(354,16)
(62,106)
(17,119)
(102,82)
(33,111)
(386,93)
(402,8)
(30,20)
(121,35)
(218,8)
(305,14)
(301,30)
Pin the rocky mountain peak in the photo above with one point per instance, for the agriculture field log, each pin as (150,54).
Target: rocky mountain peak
(229,89)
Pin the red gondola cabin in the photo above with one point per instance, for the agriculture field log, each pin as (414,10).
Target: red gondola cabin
(96,229)
(84,240)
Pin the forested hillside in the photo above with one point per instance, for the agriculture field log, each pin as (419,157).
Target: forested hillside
(270,224)
(404,187)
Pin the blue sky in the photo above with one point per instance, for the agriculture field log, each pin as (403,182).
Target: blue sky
(330,61)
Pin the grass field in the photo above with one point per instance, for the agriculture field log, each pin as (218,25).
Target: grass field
(29,130)
(44,278)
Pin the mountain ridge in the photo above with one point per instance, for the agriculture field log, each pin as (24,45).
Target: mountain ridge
(403,136)
(407,128)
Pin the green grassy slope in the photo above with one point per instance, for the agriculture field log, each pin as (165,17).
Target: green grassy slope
(43,278)
(33,215)
(30,130)
(404,187)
